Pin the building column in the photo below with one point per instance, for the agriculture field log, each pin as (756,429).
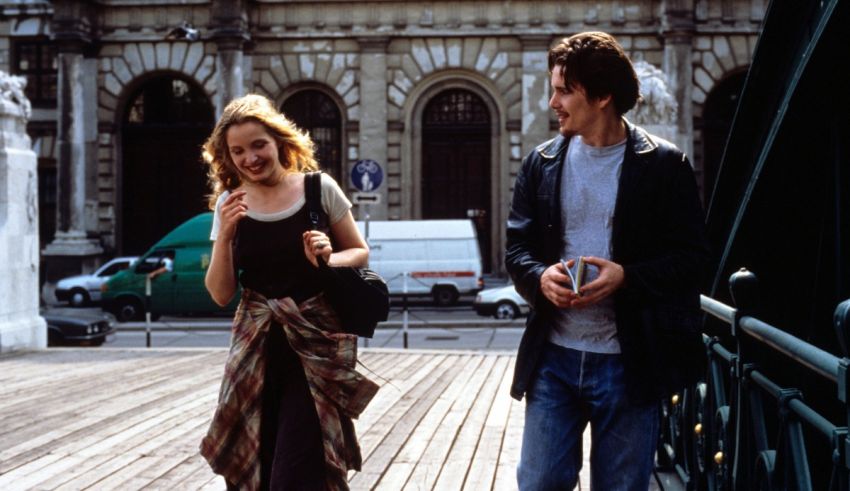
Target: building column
(228,67)
(373,117)
(20,325)
(678,33)
(535,92)
(75,247)
(230,32)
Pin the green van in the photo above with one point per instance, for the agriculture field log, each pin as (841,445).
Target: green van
(180,291)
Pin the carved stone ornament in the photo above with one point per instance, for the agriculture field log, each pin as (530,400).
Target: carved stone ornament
(12,93)
(658,106)
(32,202)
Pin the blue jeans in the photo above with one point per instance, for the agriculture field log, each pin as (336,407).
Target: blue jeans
(570,389)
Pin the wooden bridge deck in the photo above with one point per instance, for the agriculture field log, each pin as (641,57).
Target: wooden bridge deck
(132,419)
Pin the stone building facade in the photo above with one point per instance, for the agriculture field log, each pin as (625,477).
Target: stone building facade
(446,96)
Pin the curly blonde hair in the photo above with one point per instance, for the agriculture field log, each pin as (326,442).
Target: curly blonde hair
(294,146)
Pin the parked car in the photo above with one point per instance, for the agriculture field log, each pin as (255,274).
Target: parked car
(502,303)
(77,328)
(84,289)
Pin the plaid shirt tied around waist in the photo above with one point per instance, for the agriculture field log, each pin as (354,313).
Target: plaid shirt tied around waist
(232,444)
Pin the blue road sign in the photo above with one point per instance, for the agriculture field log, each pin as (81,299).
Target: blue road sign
(367,175)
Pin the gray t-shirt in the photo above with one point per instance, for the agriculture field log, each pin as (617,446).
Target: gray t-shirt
(588,194)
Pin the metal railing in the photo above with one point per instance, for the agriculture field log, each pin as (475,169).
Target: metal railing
(401,318)
(738,428)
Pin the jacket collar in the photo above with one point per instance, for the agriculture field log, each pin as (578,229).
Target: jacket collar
(552,148)
(637,140)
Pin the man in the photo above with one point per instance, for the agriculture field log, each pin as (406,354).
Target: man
(627,202)
(166,265)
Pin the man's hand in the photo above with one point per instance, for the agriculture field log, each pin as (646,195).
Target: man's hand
(611,278)
(556,285)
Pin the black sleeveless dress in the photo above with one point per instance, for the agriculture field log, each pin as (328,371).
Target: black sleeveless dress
(270,255)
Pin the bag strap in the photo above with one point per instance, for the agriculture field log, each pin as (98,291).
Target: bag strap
(313,196)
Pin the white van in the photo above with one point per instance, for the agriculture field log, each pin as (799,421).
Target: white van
(433,257)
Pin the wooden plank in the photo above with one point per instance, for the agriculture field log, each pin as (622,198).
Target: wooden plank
(512,444)
(386,375)
(200,473)
(379,362)
(100,472)
(144,426)
(138,373)
(402,466)
(170,480)
(428,467)
(455,470)
(165,444)
(54,476)
(215,484)
(48,413)
(114,415)
(117,479)
(444,419)
(379,415)
(96,387)
(159,465)
(482,471)
(41,363)
(414,406)
(25,472)
(85,372)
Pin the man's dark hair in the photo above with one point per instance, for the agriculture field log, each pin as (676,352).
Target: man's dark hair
(597,62)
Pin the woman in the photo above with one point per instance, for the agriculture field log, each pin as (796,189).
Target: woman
(290,390)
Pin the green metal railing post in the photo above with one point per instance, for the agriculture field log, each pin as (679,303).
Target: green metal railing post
(841,446)
(743,286)
(791,456)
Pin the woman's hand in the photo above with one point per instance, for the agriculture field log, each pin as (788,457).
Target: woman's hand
(232,210)
(316,244)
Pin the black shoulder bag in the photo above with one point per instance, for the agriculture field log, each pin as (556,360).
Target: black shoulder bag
(359,295)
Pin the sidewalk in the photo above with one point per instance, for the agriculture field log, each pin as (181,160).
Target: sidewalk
(132,419)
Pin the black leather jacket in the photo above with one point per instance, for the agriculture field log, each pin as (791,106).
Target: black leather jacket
(658,237)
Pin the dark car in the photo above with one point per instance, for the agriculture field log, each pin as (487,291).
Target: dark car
(79,328)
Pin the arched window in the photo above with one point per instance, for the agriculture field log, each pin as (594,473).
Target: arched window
(315,112)
(169,100)
(456,171)
(163,180)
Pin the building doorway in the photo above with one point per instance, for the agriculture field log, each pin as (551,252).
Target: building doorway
(456,162)
(163,180)
(315,112)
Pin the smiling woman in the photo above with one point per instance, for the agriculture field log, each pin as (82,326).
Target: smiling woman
(291,389)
